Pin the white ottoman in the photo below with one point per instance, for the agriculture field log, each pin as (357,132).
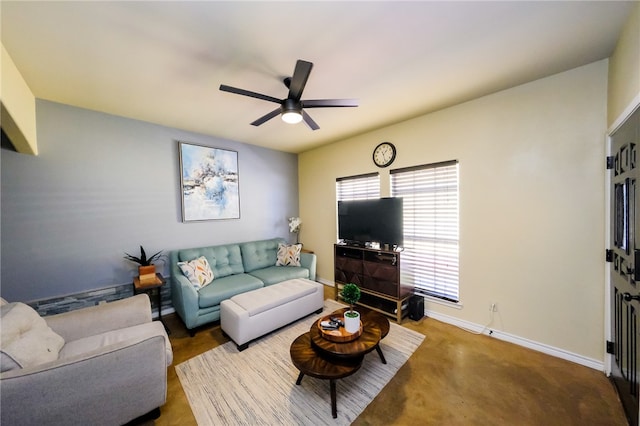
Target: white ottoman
(255,313)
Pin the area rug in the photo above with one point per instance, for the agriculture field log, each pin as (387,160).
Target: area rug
(258,385)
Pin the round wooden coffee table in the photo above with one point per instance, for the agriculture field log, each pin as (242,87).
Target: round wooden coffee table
(308,361)
(370,317)
(375,327)
(321,358)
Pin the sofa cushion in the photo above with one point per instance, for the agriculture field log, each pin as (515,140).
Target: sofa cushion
(288,255)
(261,300)
(99,341)
(25,338)
(225,288)
(259,254)
(276,274)
(228,260)
(224,260)
(197,271)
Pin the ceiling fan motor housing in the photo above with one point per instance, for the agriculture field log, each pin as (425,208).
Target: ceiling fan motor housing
(291,111)
(291,105)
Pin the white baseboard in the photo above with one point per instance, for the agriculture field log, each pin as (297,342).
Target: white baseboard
(165,311)
(325,282)
(520,341)
(507,337)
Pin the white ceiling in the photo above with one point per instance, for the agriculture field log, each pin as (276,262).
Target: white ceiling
(163,62)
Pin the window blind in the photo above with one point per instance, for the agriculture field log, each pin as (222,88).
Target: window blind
(431,228)
(360,187)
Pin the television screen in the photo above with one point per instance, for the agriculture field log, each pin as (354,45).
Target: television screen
(377,220)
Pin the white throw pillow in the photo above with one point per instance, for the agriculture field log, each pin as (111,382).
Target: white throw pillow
(288,254)
(197,271)
(25,338)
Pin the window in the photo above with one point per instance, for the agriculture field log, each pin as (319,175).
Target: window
(430,199)
(359,187)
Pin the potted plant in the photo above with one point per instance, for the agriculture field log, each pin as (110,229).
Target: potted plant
(146,268)
(351,295)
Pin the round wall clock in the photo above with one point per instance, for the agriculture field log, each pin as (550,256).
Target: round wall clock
(384,154)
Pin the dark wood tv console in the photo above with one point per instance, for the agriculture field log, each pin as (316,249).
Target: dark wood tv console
(377,273)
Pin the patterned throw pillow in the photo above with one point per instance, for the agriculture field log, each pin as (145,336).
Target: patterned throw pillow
(197,271)
(288,255)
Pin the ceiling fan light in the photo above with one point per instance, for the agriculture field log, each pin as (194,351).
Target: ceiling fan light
(291,117)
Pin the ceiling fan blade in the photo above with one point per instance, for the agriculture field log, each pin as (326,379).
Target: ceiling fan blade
(266,117)
(237,91)
(329,103)
(307,119)
(299,79)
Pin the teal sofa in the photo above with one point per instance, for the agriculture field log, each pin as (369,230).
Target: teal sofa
(237,268)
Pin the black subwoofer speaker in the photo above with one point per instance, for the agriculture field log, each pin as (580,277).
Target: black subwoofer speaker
(416,307)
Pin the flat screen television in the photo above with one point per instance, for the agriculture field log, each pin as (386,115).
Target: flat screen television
(375,220)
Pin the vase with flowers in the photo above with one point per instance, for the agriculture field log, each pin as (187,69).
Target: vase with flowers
(294,227)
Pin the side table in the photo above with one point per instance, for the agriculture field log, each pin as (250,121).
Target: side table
(153,289)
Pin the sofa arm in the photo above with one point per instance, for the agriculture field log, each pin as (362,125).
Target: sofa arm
(113,385)
(185,300)
(94,320)
(309,260)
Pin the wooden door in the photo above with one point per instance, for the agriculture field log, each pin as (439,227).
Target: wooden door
(625,271)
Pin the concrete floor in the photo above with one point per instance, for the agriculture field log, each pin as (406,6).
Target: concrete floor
(454,378)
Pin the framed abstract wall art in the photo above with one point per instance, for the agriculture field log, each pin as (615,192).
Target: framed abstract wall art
(209,183)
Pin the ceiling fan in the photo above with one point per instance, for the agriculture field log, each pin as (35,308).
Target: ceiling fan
(292,107)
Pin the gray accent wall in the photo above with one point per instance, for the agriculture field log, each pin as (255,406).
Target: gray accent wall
(103,185)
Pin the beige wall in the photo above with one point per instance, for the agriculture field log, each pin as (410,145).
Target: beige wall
(624,69)
(18,107)
(531,204)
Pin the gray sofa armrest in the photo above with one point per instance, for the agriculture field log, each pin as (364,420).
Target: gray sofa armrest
(109,386)
(309,260)
(94,320)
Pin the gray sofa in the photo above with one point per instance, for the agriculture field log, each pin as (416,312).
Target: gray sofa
(104,365)
(237,268)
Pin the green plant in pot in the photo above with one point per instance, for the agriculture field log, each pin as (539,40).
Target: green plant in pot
(146,268)
(351,294)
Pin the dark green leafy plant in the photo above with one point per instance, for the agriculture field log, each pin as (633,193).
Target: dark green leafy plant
(350,294)
(143,260)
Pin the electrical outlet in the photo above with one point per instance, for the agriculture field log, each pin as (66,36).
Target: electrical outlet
(493,307)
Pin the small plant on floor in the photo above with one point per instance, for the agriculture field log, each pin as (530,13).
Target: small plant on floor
(351,295)
(143,260)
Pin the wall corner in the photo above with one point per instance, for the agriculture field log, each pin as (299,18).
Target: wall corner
(17,107)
